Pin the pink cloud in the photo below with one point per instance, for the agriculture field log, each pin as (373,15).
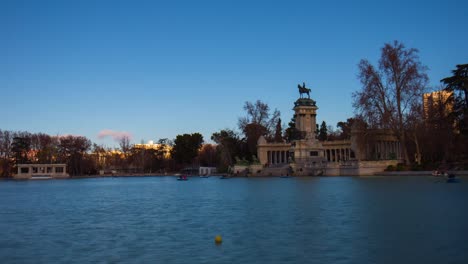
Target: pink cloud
(116,135)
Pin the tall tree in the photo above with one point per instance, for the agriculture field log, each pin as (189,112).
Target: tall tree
(72,150)
(345,128)
(228,147)
(253,132)
(291,133)
(257,122)
(124,143)
(186,147)
(20,147)
(390,90)
(6,138)
(46,147)
(323,131)
(458,83)
(259,113)
(278,132)
(207,156)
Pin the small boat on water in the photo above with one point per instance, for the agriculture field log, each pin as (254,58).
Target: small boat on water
(225,177)
(182,178)
(452,179)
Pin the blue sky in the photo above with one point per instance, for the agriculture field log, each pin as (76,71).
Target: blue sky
(157,69)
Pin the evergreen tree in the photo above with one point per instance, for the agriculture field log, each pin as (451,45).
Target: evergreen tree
(323,132)
(278,132)
(458,83)
(291,133)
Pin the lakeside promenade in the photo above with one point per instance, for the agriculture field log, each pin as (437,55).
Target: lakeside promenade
(462,173)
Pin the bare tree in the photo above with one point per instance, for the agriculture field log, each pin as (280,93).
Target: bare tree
(389,91)
(259,113)
(124,144)
(6,139)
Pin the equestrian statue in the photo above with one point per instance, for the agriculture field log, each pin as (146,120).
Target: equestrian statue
(303,90)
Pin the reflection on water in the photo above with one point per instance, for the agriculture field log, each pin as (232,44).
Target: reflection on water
(267,220)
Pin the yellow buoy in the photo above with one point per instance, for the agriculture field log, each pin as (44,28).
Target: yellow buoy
(218,239)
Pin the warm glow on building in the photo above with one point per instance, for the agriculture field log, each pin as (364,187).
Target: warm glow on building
(151,145)
(435,100)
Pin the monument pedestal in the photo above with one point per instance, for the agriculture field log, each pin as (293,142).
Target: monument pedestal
(308,153)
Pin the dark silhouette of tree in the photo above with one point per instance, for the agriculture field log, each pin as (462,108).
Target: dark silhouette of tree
(257,122)
(291,133)
(345,128)
(186,147)
(439,123)
(6,138)
(259,113)
(99,153)
(323,132)
(20,147)
(458,83)
(163,158)
(278,132)
(390,90)
(124,144)
(207,156)
(46,147)
(72,150)
(228,147)
(252,133)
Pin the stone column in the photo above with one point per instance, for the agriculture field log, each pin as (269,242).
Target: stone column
(387,147)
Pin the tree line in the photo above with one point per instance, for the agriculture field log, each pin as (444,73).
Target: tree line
(432,130)
(83,157)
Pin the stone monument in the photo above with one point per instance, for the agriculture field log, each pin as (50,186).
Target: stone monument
(307,152)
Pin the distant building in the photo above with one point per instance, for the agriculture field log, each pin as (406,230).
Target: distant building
(207,170)
(151,145)
(438,101)
(41,171)
(198,170)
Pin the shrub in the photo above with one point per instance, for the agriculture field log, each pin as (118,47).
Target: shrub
(400,167)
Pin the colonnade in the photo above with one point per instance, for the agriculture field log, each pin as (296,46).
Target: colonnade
(278,157)
(339,154)
(386,150)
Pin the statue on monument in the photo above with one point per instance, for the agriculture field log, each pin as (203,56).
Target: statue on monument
(303,90)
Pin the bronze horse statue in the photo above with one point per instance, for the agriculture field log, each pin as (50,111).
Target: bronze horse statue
(303,90)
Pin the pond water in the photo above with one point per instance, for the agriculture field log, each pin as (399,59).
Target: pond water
(263,220)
